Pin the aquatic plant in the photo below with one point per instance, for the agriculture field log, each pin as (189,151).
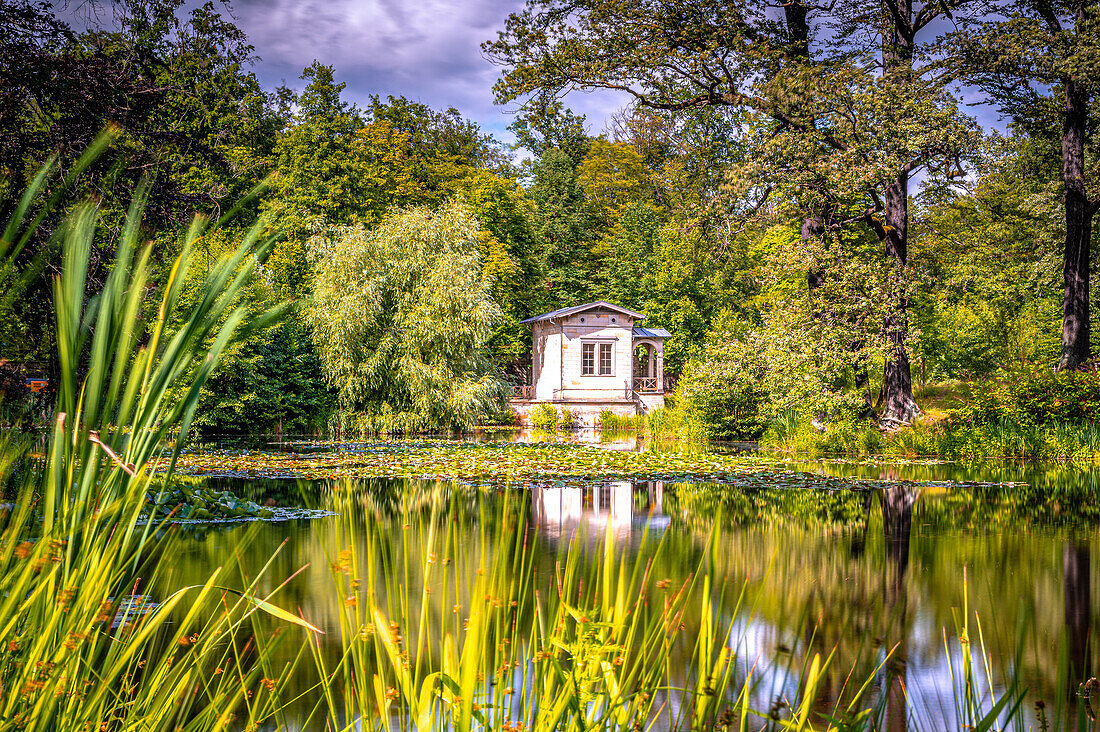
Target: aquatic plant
(543,416)
(568,419)
(190,499)
(609,421)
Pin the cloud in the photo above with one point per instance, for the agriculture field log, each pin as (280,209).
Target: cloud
(426,50)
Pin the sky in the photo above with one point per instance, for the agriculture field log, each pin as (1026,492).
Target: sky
(426,50)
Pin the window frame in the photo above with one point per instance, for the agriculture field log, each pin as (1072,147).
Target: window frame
(607,349)
(588,359)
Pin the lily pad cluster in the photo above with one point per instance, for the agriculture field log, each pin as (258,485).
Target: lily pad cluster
(196,502)
(506,464)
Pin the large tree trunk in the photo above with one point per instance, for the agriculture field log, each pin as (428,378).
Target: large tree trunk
(897,379)
(1076,338)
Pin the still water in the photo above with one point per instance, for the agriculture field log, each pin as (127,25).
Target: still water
(868,574)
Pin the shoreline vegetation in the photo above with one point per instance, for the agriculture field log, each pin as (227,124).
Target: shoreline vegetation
(433,632)
(1030,414)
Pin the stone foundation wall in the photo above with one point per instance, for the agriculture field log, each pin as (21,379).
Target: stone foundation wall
(585,414)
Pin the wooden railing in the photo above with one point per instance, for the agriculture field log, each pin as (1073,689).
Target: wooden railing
(523,392)
(645,384)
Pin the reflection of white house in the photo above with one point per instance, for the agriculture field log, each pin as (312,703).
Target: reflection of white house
(559,510)
(593,357)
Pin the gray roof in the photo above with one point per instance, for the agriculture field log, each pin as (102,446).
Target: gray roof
(651,333)
(581,308)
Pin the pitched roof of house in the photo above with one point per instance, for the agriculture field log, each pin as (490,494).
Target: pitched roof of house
(581,308)
(651,333)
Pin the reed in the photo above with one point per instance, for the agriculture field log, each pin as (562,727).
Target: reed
(80,647)
(441,632)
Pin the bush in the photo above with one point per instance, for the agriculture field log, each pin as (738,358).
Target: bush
(543,416)
(568,420)
(723,391)
(1033,396)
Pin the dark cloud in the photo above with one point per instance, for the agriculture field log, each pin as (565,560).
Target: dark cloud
(426,50)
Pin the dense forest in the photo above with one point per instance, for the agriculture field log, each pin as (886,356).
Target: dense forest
(800,194)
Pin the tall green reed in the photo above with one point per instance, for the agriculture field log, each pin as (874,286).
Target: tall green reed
(80,647)
(439,632)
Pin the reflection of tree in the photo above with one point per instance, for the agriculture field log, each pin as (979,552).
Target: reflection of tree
(897,523)
(1078,612)
(859,536)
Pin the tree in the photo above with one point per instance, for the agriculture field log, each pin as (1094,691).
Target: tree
(509,255)
(693,54)
(564,226)
(401,317)
(1026,54)
(192,125)
(989,254)
(545,123)
(319,160)
(442,147)
(614,176)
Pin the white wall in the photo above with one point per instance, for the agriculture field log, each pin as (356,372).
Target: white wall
(557,364)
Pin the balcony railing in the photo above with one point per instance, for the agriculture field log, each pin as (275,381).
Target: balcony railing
(645,384)
(523,392)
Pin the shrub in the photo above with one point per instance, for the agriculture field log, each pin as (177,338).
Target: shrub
(1033,396)
(543,416)
(723,391)
(567,420)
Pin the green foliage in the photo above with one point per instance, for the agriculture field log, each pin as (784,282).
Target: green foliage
(270,383)
(543,416)
(401,318)
(724,390)
(568,419)
(1032,397)
(509,255)
(609,421)
(563,223)
(328,172)
(994,279)
(614,176)
(951,439)
(545,123)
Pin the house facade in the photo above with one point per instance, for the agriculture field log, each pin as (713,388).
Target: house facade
(594,357)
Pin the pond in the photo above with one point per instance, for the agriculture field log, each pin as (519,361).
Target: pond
(880,564)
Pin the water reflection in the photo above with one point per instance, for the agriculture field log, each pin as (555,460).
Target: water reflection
(859,573)
(619,507)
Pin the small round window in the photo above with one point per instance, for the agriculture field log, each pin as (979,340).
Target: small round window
(613,320)
(582,320)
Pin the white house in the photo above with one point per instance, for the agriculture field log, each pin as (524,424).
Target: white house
(593,357)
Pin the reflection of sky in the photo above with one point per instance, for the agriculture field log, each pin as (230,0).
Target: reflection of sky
(930,685)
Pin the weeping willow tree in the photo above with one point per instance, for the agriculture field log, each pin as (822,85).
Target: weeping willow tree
(401,315)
